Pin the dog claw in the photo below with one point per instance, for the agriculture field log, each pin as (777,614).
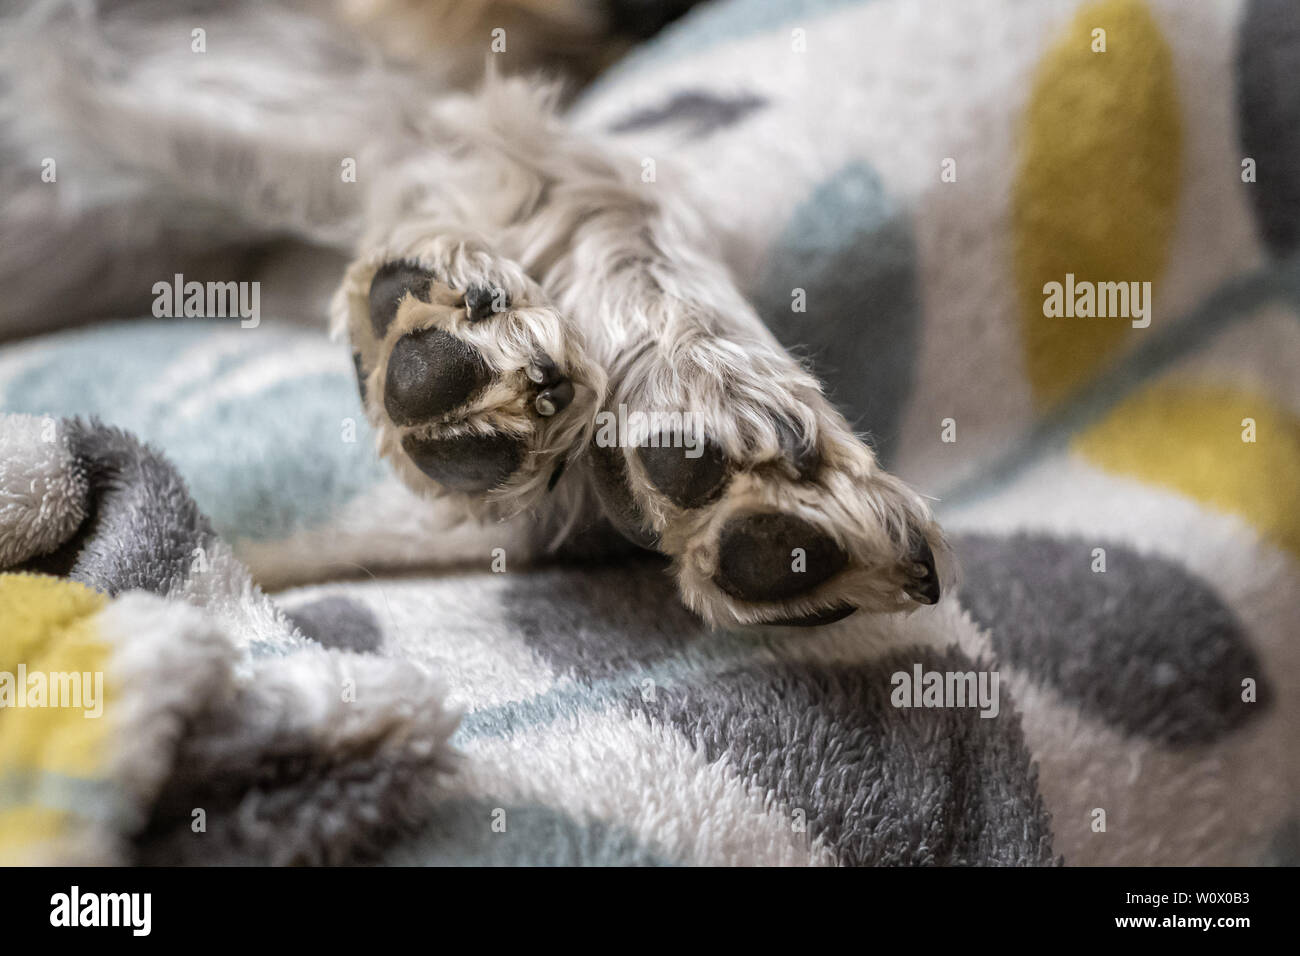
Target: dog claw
(925,589)
(554,399)
(543,372)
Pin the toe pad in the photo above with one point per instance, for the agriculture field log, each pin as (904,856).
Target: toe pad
(430,373)
(774,557)
(687,482)
(470,463)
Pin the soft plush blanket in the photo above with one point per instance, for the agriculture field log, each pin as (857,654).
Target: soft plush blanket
(1122,501)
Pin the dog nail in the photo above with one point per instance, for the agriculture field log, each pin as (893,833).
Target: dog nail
(816,619)
(805,458)
(361,375)
(554,399)
(555,476)
(925,589)
(543,371)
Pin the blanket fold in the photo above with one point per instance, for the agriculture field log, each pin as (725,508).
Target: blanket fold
(155,706)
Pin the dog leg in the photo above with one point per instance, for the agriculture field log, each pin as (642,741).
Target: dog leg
(772,510)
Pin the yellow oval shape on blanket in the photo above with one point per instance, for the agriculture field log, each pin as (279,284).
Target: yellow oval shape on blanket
(26,831)
(1189,438)
(1097,191)
(49,630)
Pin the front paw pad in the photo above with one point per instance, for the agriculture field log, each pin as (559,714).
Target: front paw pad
(481,391)
(797,529)
(430,373)
(468,463)
(774,557)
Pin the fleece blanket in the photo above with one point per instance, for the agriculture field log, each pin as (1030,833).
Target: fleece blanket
(149,691)
(1113,682)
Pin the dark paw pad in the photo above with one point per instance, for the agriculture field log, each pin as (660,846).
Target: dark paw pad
(482,301)
(431,372)
(773,557)
(924,579)
(468,462)
(685,481)
(389,287)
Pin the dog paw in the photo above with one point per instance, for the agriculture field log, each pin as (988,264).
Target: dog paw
(476,386)
(729,460)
